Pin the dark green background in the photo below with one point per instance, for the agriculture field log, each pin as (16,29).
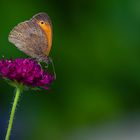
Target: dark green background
(96,51)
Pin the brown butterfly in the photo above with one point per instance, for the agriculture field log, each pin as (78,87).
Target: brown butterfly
(34,37)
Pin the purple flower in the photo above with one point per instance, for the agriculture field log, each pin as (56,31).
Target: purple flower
(25,71)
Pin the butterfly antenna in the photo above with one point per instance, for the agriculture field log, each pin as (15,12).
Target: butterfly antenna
(51,61)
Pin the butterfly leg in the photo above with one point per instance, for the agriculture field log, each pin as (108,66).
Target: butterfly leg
(51,61)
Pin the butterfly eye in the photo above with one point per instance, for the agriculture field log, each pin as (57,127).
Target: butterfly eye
(42,22)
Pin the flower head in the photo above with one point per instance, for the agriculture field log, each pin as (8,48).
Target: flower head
(25,71)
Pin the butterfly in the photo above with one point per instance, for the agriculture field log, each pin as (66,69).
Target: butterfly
(34,37)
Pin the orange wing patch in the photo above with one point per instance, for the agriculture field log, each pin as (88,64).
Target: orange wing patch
(48,31)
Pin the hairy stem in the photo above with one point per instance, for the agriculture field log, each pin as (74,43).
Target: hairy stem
(12,114)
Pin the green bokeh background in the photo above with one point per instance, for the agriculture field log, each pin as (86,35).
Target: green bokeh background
(96,51)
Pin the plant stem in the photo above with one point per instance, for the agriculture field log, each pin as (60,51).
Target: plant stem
(12,114)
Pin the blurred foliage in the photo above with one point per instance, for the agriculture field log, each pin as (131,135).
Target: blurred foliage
(96,51)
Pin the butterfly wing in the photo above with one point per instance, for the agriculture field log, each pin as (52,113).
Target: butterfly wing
(29,38)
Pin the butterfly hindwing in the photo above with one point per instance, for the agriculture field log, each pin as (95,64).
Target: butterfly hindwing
(29,38)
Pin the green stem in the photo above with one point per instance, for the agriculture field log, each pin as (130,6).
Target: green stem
(12,114)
